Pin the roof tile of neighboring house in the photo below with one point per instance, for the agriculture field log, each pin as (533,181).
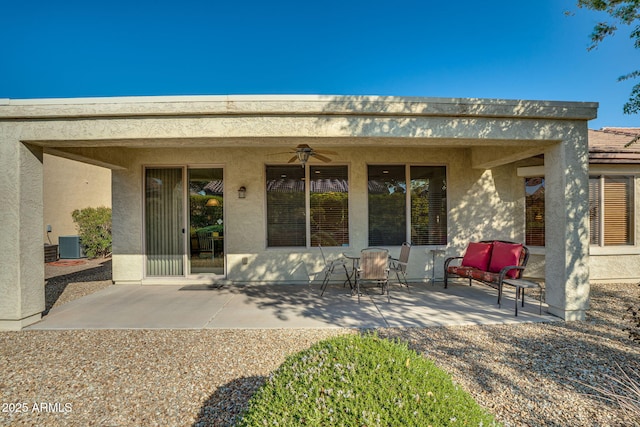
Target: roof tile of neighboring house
(614,145)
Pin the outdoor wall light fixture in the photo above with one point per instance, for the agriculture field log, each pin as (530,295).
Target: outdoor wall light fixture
(242,192)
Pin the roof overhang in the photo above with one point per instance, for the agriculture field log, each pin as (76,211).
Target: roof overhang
(73,127)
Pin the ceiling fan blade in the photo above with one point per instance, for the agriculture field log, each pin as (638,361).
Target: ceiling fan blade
(331,153)
(282,152)
(293,159)
(321,157)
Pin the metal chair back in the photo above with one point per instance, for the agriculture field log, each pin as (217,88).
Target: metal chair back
(374,264)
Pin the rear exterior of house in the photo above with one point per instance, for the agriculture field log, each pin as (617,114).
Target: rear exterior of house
(209,189)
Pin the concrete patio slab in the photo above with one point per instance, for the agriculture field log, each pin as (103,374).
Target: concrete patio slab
(286,306)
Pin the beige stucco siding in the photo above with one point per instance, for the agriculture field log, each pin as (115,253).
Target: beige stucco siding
(70,185)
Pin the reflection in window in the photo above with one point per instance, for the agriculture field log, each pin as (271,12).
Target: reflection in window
(327,215)
(428,205)
(534,208)
(329,205)
(390,210)
(286,217)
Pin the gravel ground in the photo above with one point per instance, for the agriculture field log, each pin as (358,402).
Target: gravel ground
(525,374)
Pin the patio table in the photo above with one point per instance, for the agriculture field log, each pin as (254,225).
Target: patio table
(355,259)
(521,285)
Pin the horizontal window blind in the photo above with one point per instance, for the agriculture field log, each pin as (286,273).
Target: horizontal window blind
(595,217)
(329,205)
(286,217)
(428,205)
(617,211)
(534,208)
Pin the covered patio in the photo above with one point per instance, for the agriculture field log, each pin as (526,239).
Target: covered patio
(463,155)
(288,306)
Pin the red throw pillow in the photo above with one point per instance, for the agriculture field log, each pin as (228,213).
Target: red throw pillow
(505,254)
(477,255)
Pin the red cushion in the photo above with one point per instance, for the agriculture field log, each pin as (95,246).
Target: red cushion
(477,255)
(505,254)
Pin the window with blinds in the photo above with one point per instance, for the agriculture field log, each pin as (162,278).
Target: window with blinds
(329,205)
(396,215)
(286,216)
(595,215)
(387,205)
(611,210)
(428,205)
(534,211)
(326,215)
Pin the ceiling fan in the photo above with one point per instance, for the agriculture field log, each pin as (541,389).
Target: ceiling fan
(303,152)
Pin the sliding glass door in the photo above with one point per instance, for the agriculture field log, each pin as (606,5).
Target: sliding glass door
(184,223)
(206,221)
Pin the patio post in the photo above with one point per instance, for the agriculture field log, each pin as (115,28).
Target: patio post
(567,227)
(21,228)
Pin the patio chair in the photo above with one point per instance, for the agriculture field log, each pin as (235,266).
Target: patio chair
(329,269)
(205,243)
(373,268)
(399,265)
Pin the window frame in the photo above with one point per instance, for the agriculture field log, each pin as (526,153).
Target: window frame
(601,246)
(307,202)
(408,205)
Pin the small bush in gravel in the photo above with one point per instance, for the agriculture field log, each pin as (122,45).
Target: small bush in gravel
(358,380)
(94,228)
(623,389)
(633,317)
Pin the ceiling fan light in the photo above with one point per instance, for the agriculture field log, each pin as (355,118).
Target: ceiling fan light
(303,156)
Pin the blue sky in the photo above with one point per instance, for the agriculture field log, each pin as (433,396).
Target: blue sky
(493,49)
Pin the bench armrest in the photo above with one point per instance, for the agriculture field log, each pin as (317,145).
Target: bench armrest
(508,268)
(448,261)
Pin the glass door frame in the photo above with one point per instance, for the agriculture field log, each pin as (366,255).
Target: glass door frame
(187,217)
(186,265)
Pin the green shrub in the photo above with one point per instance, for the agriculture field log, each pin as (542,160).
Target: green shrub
(360,380)
(94,229)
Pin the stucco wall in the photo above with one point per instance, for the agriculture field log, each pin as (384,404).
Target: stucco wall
(70,185)
(483,204)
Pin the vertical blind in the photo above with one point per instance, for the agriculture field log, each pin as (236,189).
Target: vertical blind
(164,222)
(329,205)
(534,211)
(286,218)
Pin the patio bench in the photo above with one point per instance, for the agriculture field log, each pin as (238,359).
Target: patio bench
(489,262)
